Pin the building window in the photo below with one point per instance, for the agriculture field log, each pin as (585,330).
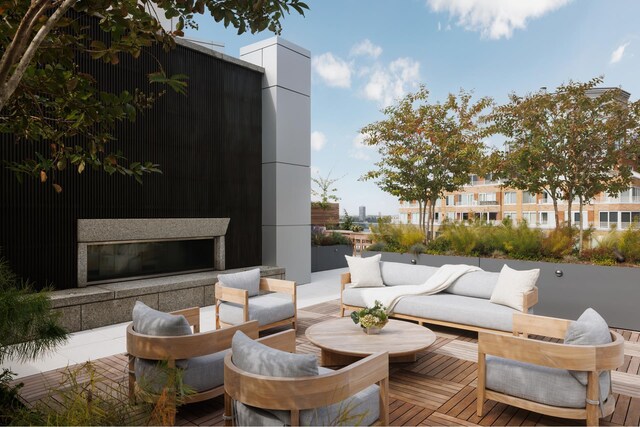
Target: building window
(465,199)
(528,198)
(608,219)
(487,197)
(545,198)
(451,216)
(530,217)
(510,198)
(626,218)
(436,217)
(576,217)
(544,218)
(511,215)
(450,200)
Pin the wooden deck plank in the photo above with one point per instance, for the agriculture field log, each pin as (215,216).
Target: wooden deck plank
(437,389)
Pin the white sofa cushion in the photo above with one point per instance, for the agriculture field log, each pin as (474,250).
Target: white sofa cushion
(477,284)
(365,272)
(589,329)
(399,274)
(266,309)
(512,285)
(247,280)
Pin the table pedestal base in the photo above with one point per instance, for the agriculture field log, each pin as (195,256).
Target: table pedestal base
(330,358)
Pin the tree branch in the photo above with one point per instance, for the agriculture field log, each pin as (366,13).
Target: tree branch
(10,86)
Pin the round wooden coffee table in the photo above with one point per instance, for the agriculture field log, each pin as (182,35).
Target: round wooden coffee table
(343,342)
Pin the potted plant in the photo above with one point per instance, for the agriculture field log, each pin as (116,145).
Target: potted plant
(373,319)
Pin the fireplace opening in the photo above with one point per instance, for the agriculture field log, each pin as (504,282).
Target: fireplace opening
(132,260)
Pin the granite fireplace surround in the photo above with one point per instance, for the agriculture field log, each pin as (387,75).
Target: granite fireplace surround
(92,306)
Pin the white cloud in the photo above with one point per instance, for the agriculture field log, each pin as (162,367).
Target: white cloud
(439,26)
(359,150)
(617,54)
(366,48)
(318,140)
(495,18)
(387,84)
(333,70)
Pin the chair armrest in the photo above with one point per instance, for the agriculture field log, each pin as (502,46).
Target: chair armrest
(553,355)
(192,315)
(284,341)
(281,393)
(185,346)
(530,324)
(238,296)
(530,299)
(595,358)
(278,285)
(345,279)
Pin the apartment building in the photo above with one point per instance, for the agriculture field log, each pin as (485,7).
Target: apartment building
(487,199)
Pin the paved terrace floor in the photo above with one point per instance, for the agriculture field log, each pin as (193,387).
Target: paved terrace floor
(438,389)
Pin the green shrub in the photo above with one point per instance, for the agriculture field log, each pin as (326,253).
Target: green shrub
(378,247)
(522,242)
(559,243)
(439,245)
(629,244)
(599,256)
(320,238)
(462,238)
(396,237)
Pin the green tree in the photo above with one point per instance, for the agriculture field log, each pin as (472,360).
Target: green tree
(573,143)
(325,189)
(45,98)
(428,149)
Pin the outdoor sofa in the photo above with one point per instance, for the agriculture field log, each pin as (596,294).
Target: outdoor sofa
(465,304)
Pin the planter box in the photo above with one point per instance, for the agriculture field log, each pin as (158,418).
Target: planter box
(329,257)
(325,216)
(613,292)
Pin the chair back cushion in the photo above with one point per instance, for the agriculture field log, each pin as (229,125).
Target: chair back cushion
(365,272)
(512,285)
(589,329)
(247,280)
(259,359)
(476,284)
(148,321)
(398,274)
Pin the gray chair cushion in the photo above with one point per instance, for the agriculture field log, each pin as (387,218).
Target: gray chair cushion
(458,309)
(477,284)
(198,373)
(360,409)
(248,280)
(589,329)
(265,309)
(397,273)
(550,386)
(259,359)
(148,321)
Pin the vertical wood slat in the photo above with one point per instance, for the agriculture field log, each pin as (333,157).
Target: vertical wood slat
(208,145)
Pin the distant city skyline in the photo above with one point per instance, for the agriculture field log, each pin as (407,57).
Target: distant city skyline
(361,63)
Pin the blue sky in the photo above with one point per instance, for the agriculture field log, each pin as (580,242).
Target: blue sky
(366,53)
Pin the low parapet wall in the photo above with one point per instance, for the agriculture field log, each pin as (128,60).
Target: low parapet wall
(108,304)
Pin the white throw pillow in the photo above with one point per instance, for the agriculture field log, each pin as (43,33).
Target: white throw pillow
(365,272)
(512,285)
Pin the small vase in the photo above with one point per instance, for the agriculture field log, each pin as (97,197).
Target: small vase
(374,330)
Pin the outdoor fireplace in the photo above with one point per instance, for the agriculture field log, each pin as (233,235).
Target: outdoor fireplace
(112,250)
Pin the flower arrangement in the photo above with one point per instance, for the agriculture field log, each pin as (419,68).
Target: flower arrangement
(371,319)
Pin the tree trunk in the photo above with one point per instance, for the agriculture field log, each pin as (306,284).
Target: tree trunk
(425,221)
(433,233)
(569,202)
(581,226)
(555,211)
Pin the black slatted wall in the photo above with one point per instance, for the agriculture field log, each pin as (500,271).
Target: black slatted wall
(208,145)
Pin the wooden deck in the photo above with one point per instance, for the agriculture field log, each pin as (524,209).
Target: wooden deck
(438,389)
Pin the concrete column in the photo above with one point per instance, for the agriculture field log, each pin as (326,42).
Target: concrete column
(286,154)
